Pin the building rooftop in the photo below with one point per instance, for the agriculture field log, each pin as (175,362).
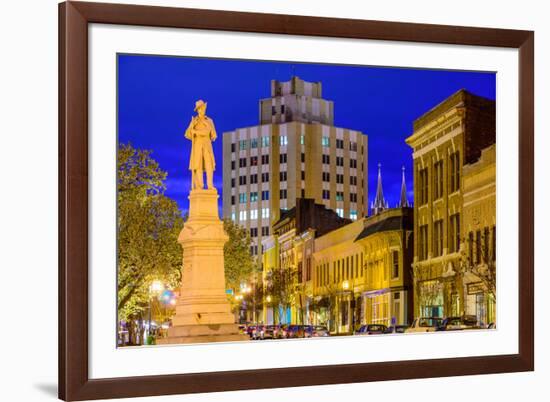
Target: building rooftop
(389,219)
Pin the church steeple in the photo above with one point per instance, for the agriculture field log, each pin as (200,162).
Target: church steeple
(403,202)
(379,203)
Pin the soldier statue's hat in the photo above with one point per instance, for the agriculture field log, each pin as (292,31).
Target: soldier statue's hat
(199,103)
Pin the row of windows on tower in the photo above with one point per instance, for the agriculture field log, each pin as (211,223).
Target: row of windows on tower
(263,142)
(283,176)
(264,159)
(438,172)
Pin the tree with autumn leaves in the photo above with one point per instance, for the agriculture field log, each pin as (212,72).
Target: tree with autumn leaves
(149,223)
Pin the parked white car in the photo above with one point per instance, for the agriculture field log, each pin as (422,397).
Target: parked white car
(425,324)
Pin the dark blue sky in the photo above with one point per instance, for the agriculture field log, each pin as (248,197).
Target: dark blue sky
(157,94)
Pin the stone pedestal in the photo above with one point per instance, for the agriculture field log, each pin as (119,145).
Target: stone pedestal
(203,313)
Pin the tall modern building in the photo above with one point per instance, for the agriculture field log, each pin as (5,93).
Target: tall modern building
(294,152)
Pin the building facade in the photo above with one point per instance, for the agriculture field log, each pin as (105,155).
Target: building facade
(479,233)
(445,139)
(295,152)
(287,261)
(362,270)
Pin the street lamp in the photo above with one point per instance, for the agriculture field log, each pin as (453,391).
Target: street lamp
(154,289)
(268,299)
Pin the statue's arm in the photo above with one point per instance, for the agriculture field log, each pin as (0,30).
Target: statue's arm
(213,134)
(189,131)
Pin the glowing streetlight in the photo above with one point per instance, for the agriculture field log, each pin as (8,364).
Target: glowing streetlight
(268,299)
(156,286)
(345,285)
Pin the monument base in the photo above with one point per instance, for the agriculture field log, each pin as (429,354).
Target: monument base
(203,333)
(203,313)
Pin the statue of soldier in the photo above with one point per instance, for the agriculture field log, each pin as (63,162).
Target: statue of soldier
(202,133)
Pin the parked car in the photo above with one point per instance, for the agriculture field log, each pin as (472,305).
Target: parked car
(295,331)
(459,323)
(425,324)
(269,332)
(250,330)
(397,329)
(282,331)
(371,329)
(320,331)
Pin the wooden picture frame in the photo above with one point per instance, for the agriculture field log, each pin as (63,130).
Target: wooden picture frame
(74,381)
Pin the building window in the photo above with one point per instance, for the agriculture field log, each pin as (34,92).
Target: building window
(232,200)
(242,215)
(253,179)
(265,195)
(303,157)
(326,176)
(265,213)
(232,182)
(423,186)
(303,193)
(340,144)
(254,196)
(353,180)
(395,265)
(340,178)
(282,176)
(232,165)
(253,214)
(486,243)
(353,215)
(438,180)
(253,161)
(233,147)
(454,166)
(242,198)
(254,143)
(423,242)
(273,110)
(302,139)
(438,238)
(471,247)
(326,195)
(242,180)
(283,140)
(478,247)
(265,159)
(353,146)
(242,145)
(265,230)
(353,197)
(325,142)
(282,158)
(303,175)
(265,141)
(340,212)
(326,159)
(353,163)
(242,162)
(340,161)
(454,233)
(253,231)
(233,216)
(265,177)
(282,194)
(339,196)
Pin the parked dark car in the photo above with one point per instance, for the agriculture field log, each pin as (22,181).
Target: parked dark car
(397,329)
(371,329)
(295,331)
(459,323)
(250,330)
